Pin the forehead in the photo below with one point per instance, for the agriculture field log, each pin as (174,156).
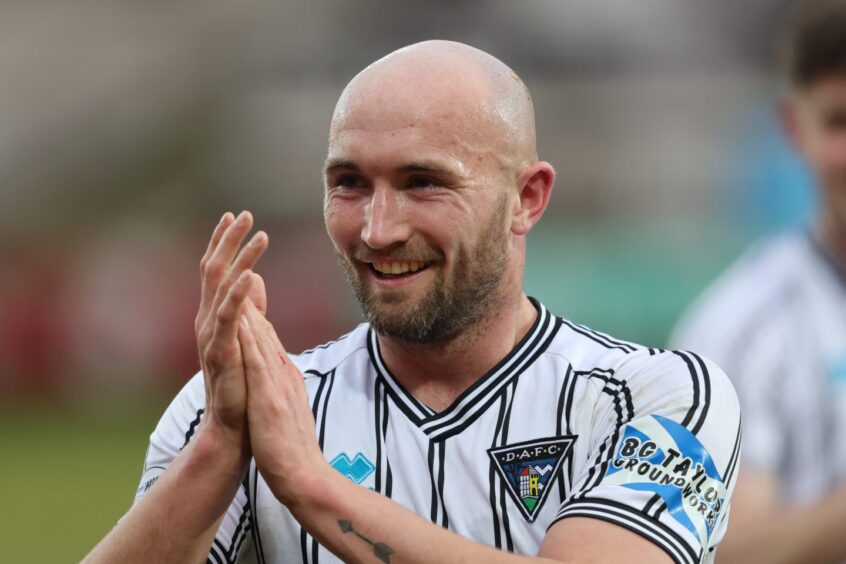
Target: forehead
(390,135)
(387,98)
(386,118)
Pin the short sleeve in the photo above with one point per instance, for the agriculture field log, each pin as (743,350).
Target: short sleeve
(756,361)
(663,454)
(173,432)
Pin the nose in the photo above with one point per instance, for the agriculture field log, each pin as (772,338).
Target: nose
(385,222)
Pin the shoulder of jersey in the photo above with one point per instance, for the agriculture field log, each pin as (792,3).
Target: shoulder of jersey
(758,280)
(646,372)
(592,352)
(587,349)
(326,357)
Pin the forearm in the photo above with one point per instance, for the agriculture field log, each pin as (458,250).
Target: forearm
(360,525)
(786,535)
(178,517)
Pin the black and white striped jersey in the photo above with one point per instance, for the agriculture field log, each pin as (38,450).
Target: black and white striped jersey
(776,322)
(570,423)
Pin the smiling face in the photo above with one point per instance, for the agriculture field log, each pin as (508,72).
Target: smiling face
(817,122)
(420,193)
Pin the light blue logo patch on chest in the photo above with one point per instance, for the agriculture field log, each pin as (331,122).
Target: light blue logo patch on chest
(357,469)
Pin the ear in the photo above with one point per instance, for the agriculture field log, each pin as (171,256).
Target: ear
(535,186)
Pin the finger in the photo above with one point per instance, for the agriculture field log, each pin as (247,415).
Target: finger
(227,314)
(269,344)
(221,259)
(271,332)
(254,364)
(258,294)
(246,259)
(274,358)
(225,221)
(216,280)
(261,327)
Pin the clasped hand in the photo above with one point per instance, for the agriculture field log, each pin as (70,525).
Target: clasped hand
(256,401)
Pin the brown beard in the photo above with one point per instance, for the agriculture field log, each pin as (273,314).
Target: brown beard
(447,310)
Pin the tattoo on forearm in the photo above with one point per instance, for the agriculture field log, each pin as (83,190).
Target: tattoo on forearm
(381,551)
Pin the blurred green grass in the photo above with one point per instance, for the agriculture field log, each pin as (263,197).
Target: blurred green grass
(67,476)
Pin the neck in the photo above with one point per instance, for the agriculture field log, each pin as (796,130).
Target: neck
(437,374)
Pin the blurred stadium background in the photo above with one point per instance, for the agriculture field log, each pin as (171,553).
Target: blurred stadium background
(128,128)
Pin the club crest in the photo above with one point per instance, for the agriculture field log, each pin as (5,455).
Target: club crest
(528,470)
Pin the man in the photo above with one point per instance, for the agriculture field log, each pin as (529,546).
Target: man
(775,322)
(464,422)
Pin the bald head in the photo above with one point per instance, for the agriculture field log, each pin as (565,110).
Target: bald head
(431,162)
(480,99)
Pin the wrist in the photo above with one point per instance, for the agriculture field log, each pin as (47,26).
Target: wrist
(225,447)
(312,488)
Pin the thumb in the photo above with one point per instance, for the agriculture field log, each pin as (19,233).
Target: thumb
(258,293)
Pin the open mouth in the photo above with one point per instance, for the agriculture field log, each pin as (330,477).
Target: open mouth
(398,269)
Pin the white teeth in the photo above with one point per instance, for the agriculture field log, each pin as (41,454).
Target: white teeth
(398,267)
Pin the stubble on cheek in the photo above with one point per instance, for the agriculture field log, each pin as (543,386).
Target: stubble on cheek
(452,301)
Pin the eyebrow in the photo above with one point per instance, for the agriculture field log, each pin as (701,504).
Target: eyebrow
(427,166)
(332,164)
(409,167)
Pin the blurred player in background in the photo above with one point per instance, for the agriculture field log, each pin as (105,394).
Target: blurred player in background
(464,422)
(776,323)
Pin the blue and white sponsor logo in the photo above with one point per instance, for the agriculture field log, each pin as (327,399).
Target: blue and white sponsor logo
(658,455)
(357,469)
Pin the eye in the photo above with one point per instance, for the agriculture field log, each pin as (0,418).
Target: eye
(836,120)
(421,182)
(348,181)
